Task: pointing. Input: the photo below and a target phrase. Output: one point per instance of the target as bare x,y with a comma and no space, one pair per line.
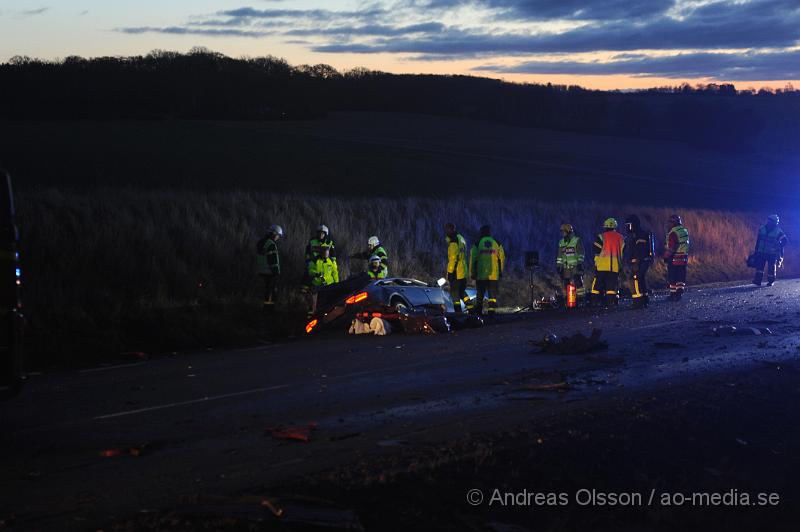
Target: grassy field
122,269
382,154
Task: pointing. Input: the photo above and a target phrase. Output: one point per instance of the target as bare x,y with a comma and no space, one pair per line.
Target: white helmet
322,228
374,258
373,242
276,229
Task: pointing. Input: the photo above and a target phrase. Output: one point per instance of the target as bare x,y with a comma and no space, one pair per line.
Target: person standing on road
676,256
322,271
769,250
374,247
608,248
569,261
268,262
639,255
457,267
487,260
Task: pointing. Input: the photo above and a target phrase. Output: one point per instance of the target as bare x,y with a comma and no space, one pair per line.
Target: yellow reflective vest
487,260
457,256
323,272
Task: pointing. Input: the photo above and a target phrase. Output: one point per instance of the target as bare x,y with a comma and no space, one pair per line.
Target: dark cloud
308,14
756,24
719,66
554,9
372,29
182,30
34,12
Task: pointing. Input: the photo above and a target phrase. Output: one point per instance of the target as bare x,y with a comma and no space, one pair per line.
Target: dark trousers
489,288
605,287
270,291
768,263
676,275
458,293
639,290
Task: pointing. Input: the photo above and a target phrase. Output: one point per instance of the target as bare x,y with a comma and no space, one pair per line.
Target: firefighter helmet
374,258
322,228
774,218
610,223
373,242
275,229
675,219
567,228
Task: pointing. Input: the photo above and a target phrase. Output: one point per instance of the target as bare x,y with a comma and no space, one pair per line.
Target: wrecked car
386,298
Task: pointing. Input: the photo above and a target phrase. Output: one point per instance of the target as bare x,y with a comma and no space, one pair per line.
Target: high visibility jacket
268,260
487,260
457,256
771,241
315,246
323,272
570,252
379,251
608,249
380,273
677,246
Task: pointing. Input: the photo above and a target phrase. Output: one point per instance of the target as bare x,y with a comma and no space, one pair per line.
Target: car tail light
311,325
356,298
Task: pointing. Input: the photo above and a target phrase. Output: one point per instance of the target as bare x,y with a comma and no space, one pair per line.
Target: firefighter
374,247
569,261
457,267
639,255
769,250
323,270
320,239
487,260
376,269
608,248
676,256
269,264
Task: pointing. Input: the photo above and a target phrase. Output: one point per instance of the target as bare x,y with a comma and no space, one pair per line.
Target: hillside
379,154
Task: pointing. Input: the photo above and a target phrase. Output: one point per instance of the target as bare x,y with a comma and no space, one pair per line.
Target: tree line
203,84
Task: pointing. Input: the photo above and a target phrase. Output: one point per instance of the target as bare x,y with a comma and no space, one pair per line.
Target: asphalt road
199,422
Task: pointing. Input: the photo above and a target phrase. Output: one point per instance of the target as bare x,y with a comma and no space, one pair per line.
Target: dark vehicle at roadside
11,318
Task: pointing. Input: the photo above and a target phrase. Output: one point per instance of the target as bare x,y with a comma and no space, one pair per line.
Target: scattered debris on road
571,345
295,433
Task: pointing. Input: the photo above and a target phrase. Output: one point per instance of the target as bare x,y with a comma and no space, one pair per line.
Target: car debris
571,345
424,321
296,433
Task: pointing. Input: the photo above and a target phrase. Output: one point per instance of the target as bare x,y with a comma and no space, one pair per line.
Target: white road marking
106,368
660,324
191,402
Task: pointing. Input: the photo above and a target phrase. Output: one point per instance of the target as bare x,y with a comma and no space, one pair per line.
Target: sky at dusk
594,43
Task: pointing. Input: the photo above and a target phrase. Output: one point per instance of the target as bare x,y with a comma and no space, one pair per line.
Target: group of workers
633,253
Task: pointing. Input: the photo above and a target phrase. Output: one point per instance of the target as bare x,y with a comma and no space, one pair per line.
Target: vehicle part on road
421,321
572,345
297,433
